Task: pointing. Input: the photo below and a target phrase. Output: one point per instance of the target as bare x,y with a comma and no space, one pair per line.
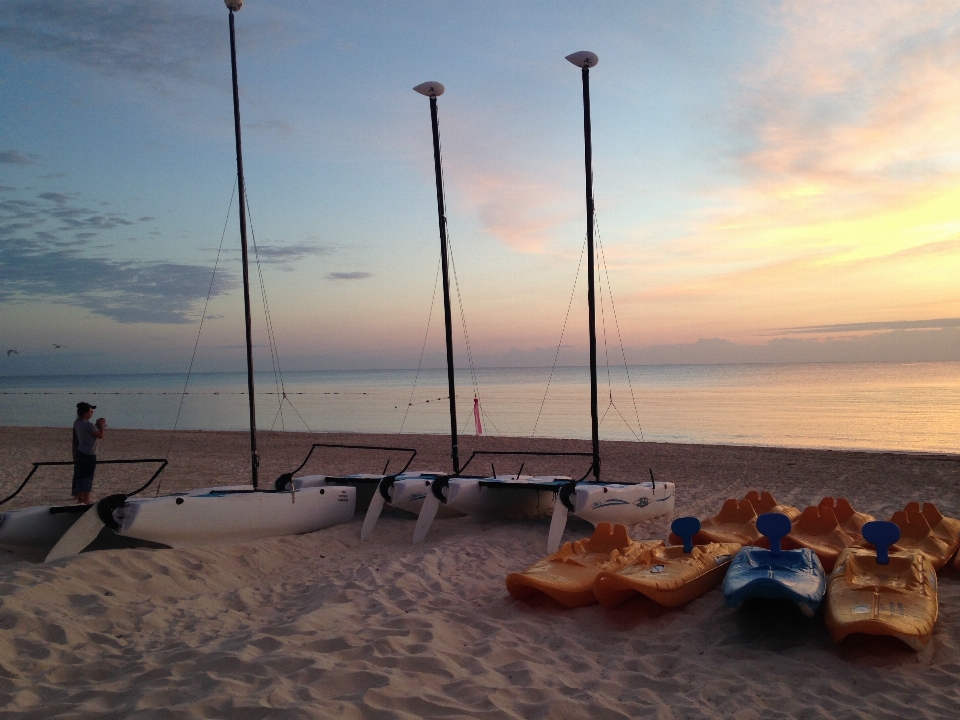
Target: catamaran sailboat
517,495
198,517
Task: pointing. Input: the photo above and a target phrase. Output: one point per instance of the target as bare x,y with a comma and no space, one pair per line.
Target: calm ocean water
873,406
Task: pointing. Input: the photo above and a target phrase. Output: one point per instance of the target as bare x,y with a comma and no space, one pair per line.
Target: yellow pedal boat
737,520
818,529
939,543
882,593
916,535
568,574
669,576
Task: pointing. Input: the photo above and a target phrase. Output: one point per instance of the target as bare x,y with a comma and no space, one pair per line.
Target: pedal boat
736,521
669,576
926,531
568,575
818,529
881,592
794,575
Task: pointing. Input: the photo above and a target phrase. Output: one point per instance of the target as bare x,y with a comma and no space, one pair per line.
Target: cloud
277,128
845,179
858,100
12,157
353,275
42,258
285,255
937,324
154,41
517,210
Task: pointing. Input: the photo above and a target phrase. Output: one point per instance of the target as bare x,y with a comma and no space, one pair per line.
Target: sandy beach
321,625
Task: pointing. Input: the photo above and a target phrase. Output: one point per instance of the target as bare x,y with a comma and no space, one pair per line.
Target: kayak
882,593
670,576
568,575
794,575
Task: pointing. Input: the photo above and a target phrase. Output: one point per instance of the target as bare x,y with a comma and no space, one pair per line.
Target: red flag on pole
476,416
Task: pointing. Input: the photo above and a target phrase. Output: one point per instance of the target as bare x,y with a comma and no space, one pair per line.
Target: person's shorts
83,467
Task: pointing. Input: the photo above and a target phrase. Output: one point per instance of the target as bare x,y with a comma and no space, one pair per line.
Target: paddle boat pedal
794,575
882,593
671,575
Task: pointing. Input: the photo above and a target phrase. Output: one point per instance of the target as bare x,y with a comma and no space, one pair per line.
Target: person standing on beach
86,438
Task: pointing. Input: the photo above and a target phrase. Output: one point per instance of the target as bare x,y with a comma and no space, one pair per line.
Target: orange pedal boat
882,593
568,574
669,576
917,533
819,529
763,502
945,528
737,520
850,520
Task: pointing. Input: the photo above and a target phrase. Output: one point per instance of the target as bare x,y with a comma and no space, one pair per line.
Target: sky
774,182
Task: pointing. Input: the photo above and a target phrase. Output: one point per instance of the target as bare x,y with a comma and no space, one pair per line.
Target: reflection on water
876,406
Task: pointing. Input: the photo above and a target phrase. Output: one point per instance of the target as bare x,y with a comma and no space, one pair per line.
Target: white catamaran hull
33,531
409,490
215,516
511,501
529,497
622,504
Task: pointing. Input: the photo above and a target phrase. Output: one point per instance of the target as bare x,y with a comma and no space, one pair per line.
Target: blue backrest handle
686,528
774,526
881,534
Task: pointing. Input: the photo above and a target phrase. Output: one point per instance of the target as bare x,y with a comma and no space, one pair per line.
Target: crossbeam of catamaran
366,484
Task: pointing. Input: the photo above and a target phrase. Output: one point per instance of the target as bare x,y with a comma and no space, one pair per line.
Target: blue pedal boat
776,574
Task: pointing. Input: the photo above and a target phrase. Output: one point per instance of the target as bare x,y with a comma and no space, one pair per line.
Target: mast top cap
233,5
584,59
430,89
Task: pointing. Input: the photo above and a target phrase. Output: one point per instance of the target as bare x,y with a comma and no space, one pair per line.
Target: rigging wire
616,320
456,283
266,314
203,315
272,338
423,347
562,332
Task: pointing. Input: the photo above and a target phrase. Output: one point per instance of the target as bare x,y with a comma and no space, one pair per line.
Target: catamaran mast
433,90
233,6
586,60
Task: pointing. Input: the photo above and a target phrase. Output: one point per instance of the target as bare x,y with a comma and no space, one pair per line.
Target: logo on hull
609,503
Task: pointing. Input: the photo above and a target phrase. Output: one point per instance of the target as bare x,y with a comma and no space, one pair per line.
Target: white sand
323,626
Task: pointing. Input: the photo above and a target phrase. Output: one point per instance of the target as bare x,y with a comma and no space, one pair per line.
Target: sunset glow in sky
763,170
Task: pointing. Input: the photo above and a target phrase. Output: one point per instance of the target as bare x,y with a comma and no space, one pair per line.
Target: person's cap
83,407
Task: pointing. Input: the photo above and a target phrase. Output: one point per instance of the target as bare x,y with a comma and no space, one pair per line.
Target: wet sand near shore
322,625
